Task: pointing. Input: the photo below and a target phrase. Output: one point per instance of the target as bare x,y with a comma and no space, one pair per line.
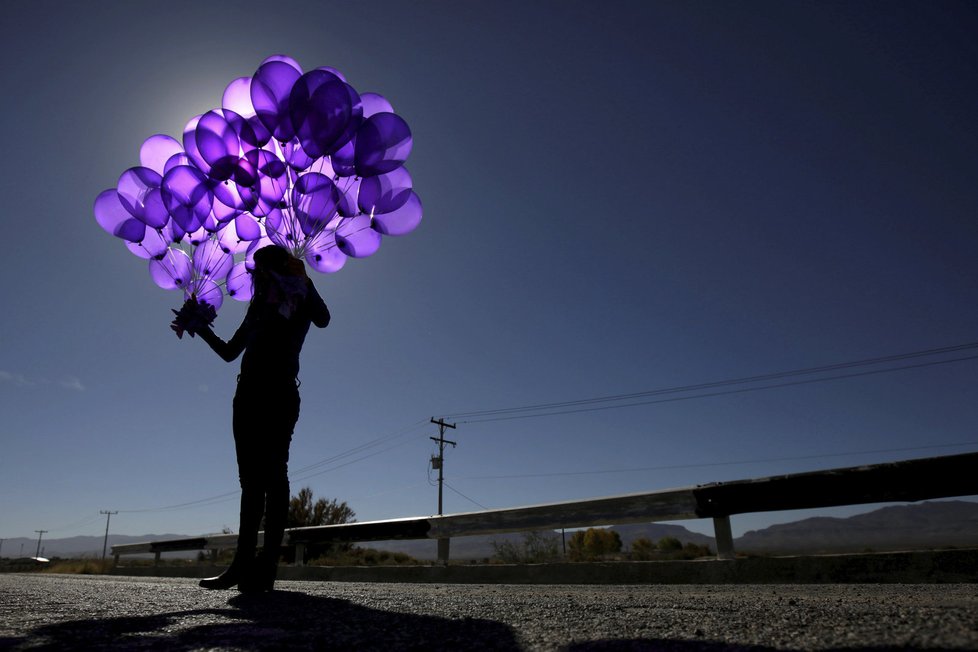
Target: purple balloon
157,150
383,144
314,201
210,261
323,254
401,221
229,241
153,245
356,239
171,271
342,159
205,290
113,217
284,58
180,158
237,97
271,87
300,160
186,196
320,109
333,71
133,187
239,286
374,103
350,189
385,192
217,143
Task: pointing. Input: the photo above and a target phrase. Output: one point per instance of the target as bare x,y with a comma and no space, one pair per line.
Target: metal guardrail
905,481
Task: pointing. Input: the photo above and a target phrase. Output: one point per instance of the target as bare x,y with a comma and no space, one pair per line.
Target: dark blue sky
619,197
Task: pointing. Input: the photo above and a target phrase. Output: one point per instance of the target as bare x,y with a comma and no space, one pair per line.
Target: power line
509,414
300,474
474,502
670,467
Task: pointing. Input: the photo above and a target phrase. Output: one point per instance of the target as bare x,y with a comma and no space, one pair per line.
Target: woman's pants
264,418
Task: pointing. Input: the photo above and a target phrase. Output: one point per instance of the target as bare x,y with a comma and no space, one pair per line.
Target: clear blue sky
619,197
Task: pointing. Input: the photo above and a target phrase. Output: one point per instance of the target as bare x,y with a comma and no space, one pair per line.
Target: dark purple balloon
383,144
320,108
218,144
342,160
271,87
350,189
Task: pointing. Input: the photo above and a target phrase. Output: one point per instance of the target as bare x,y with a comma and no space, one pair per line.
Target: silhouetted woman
266,408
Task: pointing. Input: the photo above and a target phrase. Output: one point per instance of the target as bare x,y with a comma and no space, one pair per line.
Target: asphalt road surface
74,612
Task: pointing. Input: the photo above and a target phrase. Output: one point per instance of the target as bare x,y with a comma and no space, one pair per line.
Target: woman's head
272,258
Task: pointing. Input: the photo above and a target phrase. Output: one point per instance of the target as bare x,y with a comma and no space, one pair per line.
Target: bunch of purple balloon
297,159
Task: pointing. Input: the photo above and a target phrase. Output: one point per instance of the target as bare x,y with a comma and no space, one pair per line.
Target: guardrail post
116,560
300,554
724,537
156,558
443,546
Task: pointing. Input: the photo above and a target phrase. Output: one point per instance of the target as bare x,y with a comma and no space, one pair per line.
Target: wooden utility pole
40,533
108,517
443,544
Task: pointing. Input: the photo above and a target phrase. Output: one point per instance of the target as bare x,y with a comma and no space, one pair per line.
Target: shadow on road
273,621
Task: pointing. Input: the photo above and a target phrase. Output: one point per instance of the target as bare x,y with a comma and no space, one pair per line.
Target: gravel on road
76,612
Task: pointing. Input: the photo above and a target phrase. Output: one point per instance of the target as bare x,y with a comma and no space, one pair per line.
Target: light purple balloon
323,254
284,59
356,239
228,238
237,97
205,290
152,245
173,270
113,217
385,192
157,150
374,103
210,261
239,286
180,158
133,187
401,221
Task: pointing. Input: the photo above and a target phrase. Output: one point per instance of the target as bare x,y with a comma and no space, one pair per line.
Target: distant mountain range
901,527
